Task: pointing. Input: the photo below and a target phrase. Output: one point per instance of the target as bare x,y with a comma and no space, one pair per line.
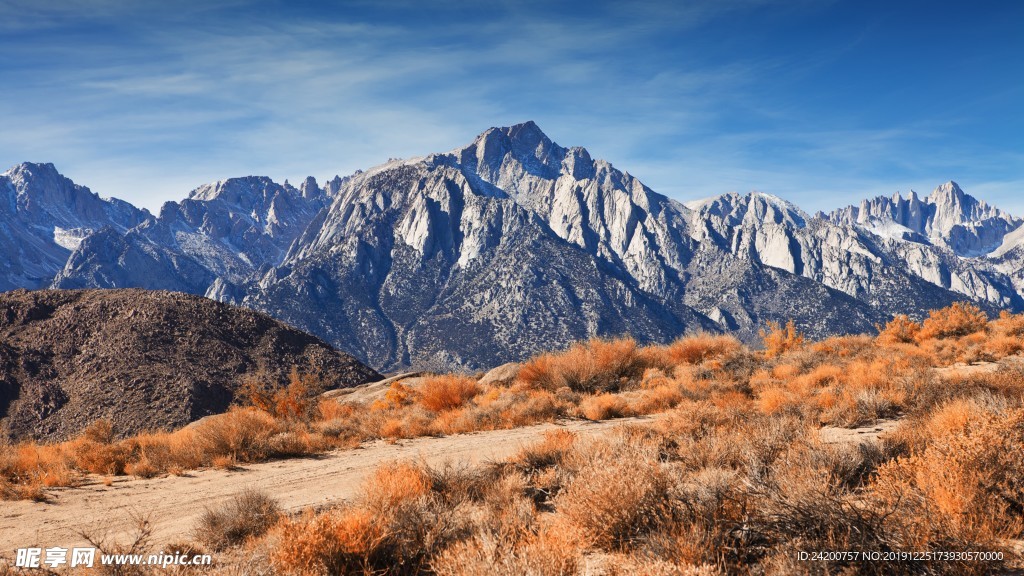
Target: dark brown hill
143,359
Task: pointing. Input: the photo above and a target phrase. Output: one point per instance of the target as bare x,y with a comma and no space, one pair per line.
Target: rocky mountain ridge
513,244
44,217
947,217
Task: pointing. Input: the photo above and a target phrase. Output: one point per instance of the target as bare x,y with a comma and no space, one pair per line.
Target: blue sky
822,103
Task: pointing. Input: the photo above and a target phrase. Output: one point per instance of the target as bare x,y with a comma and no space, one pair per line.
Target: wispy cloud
147,100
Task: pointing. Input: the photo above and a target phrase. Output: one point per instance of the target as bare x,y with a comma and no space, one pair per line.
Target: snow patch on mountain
70,239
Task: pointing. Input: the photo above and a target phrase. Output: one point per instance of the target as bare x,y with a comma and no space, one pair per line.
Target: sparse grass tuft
249,514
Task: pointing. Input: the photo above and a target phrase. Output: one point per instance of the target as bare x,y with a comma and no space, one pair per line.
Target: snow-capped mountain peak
514,243
43,216
948,217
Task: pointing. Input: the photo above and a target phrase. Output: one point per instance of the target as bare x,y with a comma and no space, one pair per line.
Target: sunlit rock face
514,244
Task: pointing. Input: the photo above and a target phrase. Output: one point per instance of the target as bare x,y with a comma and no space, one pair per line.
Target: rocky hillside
513,244
142,359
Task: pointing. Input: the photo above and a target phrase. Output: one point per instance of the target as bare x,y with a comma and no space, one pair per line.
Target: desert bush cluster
704,490
597,380
733,476
841,381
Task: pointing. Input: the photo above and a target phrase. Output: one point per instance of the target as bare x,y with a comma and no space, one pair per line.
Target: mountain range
510,245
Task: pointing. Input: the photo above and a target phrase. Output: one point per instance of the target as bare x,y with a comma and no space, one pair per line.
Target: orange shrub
826,400
785,371
653,378
844,346
551,552
397,396
868,374
334,410
900,329
297,398
98,458
547,452
394,483
1007,323
242,433
540,371
959,319
762,379
615,501
440,393
657,399
733,400
34,465
1007,336
825,375
393,428
1002,345
693,349
773,400
593,366
293,400
603,407
780,339
326,543
453,422
953,417
966,482
500,408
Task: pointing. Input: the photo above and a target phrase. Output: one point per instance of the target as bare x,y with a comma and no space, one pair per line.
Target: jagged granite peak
44,216
947,217
253,206
588,203
568,242
400,254
524,143
878,262
111,259
751,210
309,188
231,230
756,226
44,196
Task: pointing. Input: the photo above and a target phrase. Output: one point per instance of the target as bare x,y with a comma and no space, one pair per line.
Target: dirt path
862,435
174,504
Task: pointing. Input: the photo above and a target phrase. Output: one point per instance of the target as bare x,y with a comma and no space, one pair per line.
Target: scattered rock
502,375
373,390
385,383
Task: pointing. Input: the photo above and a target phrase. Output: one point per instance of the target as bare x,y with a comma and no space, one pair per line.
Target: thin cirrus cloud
145,101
